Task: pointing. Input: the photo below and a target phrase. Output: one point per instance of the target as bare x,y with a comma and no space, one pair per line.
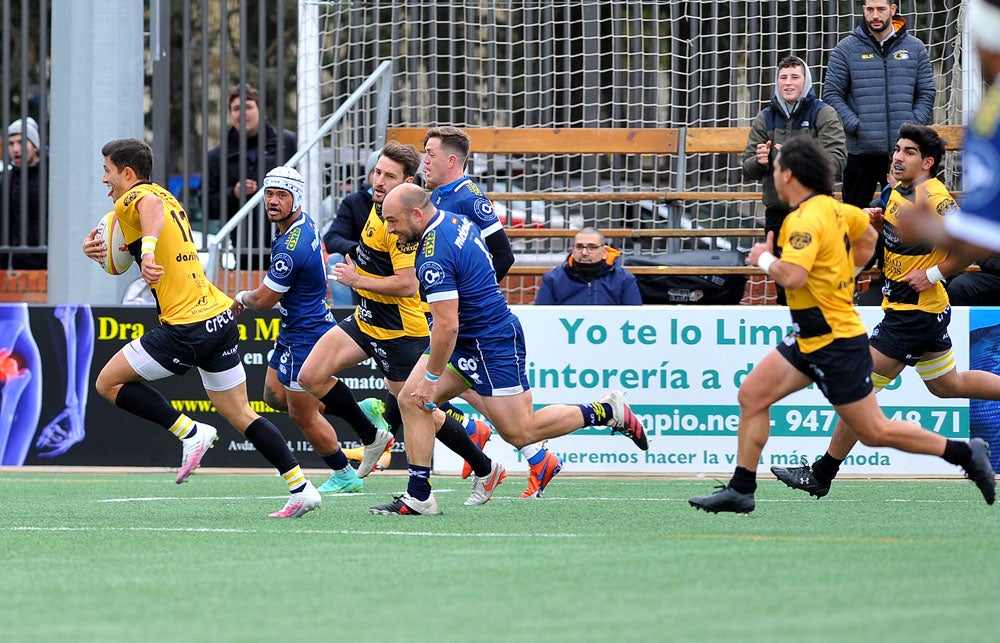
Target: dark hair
406,155
808,162
929,144
130,152
791,61
250,90
453,139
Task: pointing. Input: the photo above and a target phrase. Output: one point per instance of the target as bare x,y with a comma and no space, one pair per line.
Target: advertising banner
50,412
679,367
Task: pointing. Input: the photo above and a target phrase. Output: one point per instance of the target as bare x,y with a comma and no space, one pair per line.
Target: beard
885,25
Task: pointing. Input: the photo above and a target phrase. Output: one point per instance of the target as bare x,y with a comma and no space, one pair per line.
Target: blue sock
419,485
596,414
336,460
538,457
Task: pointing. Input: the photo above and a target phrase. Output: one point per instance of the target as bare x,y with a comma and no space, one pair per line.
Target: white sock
529,451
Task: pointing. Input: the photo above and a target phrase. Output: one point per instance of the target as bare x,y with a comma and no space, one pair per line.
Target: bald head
407,210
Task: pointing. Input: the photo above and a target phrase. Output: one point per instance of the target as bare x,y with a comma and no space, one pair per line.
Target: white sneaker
406,505
373,451
624,421
194,448
300,503
482,488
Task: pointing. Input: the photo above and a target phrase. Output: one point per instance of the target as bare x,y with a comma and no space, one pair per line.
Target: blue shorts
493,366
842,369
288,361
906,335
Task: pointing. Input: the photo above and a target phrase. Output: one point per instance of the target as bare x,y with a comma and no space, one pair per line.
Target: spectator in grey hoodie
794,110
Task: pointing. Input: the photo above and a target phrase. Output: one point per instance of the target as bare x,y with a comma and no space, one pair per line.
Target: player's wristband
934,274
241,298
764,262
430,377
148,245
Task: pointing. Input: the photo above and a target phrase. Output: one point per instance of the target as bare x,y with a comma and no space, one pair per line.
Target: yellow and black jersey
817,237
184,294
902,258
380,255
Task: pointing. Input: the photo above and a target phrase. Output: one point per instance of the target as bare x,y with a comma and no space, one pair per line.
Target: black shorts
211,345
394,357
842,370
906,335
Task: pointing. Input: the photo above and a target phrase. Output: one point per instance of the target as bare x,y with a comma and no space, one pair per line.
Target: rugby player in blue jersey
389,325
296,284
976,224
446,151
476,342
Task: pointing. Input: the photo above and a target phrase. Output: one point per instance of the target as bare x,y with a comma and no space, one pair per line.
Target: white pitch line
336,532
327,495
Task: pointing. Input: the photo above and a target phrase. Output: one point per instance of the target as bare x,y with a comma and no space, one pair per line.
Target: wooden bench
643,141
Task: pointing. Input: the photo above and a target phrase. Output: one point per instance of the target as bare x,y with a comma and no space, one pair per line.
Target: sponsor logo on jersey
463,233
130,198
867,56
281,265
186,256
429,243
484,209
293,238
800,240
431,274
407,248
946,205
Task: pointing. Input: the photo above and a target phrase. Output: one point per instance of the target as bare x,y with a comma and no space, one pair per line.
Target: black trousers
864,176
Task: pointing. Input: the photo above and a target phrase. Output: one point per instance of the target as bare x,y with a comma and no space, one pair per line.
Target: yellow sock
182,427
294,478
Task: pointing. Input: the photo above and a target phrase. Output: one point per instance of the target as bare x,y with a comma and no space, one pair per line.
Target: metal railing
219,246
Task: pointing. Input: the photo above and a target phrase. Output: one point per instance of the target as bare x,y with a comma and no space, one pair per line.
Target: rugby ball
117,259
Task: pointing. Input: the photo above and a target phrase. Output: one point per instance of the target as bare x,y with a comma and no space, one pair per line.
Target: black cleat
801,478
725,499
980,471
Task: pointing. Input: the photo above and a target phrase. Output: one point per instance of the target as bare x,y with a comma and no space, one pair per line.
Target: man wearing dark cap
22,187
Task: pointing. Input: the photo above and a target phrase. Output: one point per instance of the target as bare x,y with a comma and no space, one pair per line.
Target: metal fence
467,63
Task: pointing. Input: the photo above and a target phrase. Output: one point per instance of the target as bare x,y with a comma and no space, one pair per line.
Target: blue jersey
978,218
297,270
464,197
453,263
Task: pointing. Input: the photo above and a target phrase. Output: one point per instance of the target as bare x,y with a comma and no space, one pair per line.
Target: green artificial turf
134,557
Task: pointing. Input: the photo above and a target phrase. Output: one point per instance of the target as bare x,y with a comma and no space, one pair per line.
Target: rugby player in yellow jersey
824,244
914,330
197,328
389,325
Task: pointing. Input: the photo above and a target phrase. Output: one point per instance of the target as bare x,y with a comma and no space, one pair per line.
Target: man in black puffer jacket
878,78
221,201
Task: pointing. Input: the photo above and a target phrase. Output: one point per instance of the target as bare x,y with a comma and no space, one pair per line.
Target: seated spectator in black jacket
344,232
980,288
221,202
23,176
592,275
